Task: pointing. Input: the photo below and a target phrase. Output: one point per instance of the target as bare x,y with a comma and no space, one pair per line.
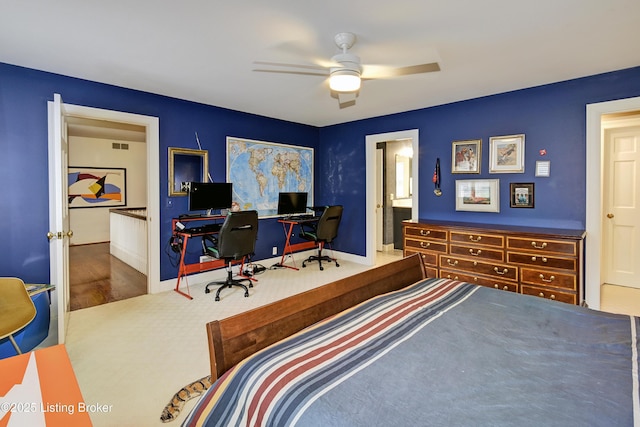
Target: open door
59,232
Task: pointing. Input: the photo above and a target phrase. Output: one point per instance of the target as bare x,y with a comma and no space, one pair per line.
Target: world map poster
260,170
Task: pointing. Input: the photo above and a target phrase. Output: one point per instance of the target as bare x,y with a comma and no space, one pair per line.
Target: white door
621,209
59,232
379,200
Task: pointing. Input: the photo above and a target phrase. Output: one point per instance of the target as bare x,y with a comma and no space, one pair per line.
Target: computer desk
186,269
289,248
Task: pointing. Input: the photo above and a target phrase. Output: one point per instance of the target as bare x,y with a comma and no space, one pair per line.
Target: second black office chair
322,232
236,240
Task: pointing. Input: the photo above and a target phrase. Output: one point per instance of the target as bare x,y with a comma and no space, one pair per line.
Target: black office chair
322,232
236,240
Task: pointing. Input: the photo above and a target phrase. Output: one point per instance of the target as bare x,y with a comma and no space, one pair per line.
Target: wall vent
119,146
115,145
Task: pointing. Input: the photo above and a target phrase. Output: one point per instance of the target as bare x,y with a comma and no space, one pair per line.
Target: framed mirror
186,165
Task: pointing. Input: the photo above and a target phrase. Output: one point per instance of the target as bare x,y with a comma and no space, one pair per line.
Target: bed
391,347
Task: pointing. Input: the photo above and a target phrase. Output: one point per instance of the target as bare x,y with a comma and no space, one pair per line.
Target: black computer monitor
292,203
209,196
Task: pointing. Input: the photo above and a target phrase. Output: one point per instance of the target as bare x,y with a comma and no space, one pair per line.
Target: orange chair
16,308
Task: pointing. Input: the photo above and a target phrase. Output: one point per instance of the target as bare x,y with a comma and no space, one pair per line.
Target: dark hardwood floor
96,277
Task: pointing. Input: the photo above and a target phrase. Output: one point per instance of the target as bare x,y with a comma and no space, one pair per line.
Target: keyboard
203,229
301,218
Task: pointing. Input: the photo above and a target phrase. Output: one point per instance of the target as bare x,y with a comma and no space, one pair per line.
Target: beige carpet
135,354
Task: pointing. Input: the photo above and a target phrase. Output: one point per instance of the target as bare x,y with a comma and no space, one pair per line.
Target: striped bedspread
439,352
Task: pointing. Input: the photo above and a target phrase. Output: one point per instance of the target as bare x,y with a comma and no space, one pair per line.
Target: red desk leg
182,268
289,248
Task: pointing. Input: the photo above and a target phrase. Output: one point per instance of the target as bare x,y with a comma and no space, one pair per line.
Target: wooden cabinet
543,262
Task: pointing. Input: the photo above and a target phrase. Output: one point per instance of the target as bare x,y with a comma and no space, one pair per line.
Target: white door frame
370,160
152,127
594,202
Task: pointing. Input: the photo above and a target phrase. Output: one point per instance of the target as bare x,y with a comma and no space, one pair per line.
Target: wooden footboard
234,338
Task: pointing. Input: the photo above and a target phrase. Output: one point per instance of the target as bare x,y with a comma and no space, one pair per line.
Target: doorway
373,173
107,253
595,246
115,125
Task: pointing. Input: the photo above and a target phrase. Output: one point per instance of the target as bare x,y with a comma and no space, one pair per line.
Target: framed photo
478,195
465,156
522,194
506,154
186,165
97,187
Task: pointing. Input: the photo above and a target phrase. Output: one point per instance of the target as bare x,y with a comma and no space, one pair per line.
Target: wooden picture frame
522,194
186,165
478,195
466,156
506,154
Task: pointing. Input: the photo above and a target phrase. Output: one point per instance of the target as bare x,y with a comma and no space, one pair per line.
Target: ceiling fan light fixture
344,80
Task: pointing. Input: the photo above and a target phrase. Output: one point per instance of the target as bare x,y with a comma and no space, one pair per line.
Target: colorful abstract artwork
97,187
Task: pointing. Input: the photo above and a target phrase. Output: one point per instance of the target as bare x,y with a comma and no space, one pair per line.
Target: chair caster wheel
206,290
250,285
337,265
304,266
246,294
321,268
217,298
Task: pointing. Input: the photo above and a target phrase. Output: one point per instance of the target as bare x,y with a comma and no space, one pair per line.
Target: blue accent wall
552,117
24,188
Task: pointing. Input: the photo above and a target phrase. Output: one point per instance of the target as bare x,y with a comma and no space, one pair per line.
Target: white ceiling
203,51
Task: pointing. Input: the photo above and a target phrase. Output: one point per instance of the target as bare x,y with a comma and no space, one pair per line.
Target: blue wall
24,214
552,117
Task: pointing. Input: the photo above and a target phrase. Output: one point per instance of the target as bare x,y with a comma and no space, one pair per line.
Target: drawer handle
542,246
475,239
504,288
425,245
425,232
550,279
449,277
503,272
534,259
552,296
454,263
475,253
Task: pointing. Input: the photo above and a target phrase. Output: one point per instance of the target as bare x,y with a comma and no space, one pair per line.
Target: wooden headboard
237,337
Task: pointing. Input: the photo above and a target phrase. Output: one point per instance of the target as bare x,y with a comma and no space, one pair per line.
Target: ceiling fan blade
284,64
382,72
303,73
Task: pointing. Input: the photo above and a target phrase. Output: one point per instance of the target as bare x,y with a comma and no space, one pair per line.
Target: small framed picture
506,154
465,156
478,195
543,168
522,194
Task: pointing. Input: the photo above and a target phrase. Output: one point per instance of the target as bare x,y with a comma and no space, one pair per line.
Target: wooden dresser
536,261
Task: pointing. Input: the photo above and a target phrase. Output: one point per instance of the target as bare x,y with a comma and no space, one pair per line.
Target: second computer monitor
292,203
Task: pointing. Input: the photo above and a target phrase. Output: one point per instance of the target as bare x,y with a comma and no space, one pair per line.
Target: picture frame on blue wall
466,156
186,165
522,194
478,195
506,154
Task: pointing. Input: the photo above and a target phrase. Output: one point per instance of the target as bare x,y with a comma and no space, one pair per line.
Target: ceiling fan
346,71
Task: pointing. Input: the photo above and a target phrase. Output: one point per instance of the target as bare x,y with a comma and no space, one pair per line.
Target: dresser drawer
541,260
548,278
478,252
428,258
545,245
426,232
549,294
479,280
494,240
424,245
480,267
